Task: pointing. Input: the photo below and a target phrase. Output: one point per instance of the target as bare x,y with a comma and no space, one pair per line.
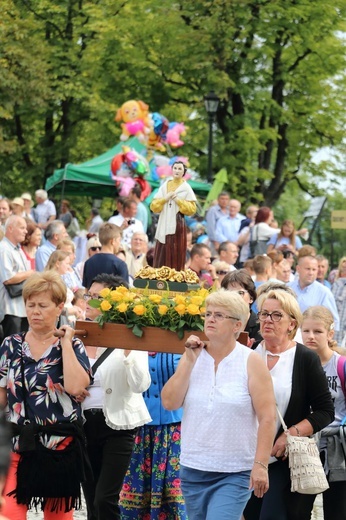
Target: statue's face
178,170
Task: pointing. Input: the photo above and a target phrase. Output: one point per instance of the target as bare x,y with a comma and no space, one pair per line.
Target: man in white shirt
96,221
14,269
127,222
45,210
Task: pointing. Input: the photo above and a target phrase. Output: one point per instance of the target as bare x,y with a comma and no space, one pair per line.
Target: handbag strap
282,420
101,359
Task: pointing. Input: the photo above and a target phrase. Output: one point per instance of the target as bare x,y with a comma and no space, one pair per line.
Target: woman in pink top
31,242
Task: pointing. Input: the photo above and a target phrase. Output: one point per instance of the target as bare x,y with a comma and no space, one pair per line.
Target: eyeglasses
89,296
222,272
274,316
95,248
218,316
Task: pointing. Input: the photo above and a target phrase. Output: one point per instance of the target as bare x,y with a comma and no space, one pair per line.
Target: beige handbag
307,474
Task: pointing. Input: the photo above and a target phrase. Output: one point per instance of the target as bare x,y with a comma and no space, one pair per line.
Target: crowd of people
148,435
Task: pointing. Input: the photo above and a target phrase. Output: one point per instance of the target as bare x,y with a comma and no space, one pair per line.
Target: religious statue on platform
174,199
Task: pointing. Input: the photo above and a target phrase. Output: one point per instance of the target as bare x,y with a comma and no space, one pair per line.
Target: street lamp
211,102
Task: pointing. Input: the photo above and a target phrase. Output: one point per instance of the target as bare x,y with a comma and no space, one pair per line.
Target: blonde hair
306,250
288,303
342,259
66,242
57,256
292,236
231,302
326,318
46,282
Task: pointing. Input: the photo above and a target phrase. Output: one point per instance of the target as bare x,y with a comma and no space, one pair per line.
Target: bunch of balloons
152,129
128,168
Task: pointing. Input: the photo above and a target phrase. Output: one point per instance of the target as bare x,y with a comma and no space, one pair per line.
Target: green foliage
278,67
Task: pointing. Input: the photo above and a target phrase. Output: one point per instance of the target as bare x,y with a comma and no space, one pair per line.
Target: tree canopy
278,67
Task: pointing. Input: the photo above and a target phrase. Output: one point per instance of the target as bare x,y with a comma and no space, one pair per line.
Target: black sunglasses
95,248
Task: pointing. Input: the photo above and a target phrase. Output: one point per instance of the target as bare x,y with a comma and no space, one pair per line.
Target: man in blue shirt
309,291
54,232
323,266
214,214
227,228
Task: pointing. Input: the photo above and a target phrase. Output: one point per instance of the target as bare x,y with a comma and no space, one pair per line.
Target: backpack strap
341,369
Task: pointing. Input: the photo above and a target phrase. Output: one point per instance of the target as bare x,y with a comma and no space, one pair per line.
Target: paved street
81,515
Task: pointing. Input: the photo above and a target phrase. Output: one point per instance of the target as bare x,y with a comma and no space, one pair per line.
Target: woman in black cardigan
302,396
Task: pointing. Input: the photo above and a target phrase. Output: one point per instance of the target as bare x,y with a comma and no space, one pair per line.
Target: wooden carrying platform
154,339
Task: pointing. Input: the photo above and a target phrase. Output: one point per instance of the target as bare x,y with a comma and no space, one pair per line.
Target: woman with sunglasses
228,418
241,282
302,396
93,247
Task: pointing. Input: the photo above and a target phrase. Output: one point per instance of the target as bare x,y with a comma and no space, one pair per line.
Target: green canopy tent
92,178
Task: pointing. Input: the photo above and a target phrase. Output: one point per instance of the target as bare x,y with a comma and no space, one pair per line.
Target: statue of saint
174,199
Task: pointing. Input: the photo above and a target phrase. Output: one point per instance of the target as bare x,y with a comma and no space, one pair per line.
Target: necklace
271,354
43,341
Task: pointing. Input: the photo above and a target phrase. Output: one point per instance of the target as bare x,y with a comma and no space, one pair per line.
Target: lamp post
211,103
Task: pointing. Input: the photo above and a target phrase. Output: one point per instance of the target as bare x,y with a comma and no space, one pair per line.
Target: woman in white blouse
114,408
228,414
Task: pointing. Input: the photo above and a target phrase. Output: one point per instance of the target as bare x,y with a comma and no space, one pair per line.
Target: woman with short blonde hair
225,454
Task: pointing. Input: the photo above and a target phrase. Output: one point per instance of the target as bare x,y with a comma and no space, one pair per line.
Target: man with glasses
135,256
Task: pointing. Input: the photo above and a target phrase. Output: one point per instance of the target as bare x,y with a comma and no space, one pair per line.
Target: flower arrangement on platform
137,310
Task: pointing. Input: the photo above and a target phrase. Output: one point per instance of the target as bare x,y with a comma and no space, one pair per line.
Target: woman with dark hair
253,240
31,242
113,408
241,282
174,199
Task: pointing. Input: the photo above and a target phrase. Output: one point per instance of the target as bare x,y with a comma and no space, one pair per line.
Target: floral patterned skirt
151,489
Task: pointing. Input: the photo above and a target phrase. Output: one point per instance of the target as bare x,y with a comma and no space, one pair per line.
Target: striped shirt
12,261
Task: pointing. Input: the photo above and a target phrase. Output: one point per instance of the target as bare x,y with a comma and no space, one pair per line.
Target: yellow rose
180,299
122,307
193,309
180,309
105,292
129,296
155,298
203,293
105,306
162,309
116,296
139,310
202,310
196,300
122,289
